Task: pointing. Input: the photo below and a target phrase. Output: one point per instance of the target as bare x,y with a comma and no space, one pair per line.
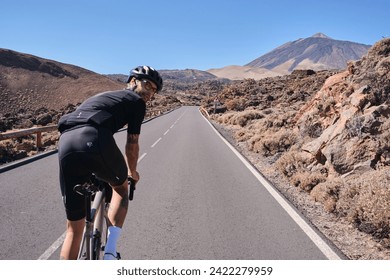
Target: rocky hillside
326,135
29,83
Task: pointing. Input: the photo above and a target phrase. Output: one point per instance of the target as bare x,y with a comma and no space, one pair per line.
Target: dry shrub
384,143
239,118
327,193
261,126
291,162
277,142
224,118
279,120
346,205
243,134
244,117
268,111
311,128
366,203
254,140
307,180
237,104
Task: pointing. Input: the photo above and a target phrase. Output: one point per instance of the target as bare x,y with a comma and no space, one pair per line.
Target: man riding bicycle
87,146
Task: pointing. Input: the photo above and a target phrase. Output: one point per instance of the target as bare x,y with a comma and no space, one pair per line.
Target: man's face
146,89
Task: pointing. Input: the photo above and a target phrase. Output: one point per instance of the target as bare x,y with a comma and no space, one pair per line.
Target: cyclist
87,146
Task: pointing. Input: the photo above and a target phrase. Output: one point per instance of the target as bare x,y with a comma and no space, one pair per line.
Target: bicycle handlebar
132,183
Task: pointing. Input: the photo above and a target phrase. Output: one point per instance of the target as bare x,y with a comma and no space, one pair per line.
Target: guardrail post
39,140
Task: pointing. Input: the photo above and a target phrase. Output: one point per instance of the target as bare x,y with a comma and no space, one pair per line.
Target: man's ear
132,84
132,81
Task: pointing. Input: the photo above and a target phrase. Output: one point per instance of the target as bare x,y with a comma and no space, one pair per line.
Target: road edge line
47,254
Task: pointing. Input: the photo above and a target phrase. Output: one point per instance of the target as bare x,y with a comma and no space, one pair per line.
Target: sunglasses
149,86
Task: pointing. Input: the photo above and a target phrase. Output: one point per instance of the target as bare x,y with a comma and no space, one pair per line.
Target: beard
146,95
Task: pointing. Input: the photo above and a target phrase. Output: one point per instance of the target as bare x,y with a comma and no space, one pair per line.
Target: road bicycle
97,195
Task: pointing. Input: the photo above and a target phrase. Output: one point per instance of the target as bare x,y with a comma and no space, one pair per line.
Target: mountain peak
320,35
318,52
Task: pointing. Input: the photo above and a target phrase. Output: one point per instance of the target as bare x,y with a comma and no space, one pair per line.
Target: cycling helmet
146,72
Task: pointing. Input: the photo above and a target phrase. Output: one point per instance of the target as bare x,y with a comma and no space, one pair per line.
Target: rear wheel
100,233
83,249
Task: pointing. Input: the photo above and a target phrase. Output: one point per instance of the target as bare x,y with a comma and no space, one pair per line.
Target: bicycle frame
96,217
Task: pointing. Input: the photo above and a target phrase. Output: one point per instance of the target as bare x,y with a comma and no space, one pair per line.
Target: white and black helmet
146,72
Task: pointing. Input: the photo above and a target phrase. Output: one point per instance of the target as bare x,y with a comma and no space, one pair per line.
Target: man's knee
76,227
121,189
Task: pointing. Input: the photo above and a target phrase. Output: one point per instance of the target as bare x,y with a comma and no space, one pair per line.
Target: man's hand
134,175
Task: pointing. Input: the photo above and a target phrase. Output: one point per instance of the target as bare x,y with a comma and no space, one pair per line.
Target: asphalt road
197,199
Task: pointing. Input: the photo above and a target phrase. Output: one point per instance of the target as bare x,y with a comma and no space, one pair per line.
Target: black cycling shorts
82,151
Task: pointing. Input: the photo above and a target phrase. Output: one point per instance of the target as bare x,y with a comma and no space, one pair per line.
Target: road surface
197,199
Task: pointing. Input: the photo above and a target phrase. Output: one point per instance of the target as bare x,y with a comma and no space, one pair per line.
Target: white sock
112,238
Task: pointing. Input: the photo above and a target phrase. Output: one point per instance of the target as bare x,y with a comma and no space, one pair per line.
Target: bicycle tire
83,248
104,236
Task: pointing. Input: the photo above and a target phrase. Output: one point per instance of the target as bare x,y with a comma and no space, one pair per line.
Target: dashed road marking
141,157
155,143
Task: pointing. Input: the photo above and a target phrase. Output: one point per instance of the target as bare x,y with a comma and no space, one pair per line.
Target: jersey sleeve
136,118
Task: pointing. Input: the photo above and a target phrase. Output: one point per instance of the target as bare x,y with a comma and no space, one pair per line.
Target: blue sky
113,36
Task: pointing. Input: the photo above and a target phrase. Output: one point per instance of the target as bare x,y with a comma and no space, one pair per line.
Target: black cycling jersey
112,110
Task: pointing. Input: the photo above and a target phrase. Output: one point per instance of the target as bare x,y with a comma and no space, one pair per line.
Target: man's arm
132,153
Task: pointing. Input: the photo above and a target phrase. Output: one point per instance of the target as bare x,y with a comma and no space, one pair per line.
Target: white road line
46,255
166,132
172,126
155,143
141,157
318,241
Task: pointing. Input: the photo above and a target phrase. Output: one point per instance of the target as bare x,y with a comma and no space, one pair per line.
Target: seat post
87,202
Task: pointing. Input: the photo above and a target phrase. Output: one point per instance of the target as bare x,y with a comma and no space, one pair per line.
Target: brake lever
132,184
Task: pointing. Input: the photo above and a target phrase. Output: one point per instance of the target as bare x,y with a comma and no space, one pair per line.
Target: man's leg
74,233
116,214
119,204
